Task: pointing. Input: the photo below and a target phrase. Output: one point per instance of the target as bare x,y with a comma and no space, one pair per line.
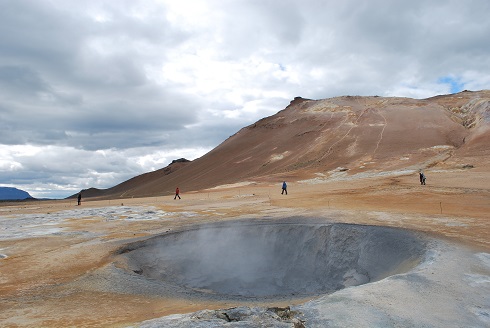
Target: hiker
284,188
177,192
79,198
422,178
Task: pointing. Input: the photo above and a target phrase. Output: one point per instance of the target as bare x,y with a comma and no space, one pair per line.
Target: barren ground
49,247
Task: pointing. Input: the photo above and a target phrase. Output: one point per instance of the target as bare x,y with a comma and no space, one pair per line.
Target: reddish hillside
314,137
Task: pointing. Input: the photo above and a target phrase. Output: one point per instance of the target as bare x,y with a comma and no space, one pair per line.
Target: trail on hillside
384,126
330,149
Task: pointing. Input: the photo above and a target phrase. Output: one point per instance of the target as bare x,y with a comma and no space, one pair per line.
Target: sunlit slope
311,137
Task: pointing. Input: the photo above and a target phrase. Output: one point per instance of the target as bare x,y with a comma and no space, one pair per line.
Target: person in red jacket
177,192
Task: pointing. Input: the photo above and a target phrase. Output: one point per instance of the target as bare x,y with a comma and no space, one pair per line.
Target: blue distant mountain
8,193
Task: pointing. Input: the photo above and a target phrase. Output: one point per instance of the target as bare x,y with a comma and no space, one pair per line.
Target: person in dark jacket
284,188
79,198
422,178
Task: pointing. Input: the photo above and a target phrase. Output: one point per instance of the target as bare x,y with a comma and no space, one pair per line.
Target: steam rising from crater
274,260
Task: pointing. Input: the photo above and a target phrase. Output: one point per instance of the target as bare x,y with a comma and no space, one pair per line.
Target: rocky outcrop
274,317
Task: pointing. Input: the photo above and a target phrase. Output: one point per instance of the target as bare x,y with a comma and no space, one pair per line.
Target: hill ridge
311,137
11,193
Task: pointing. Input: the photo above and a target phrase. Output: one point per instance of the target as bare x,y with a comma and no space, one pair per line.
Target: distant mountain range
8,193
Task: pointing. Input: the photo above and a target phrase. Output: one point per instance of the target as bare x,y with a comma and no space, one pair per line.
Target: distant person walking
284,188
422,178
79,198
177,193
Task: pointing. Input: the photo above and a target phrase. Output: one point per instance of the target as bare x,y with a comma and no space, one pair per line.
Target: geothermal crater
254,259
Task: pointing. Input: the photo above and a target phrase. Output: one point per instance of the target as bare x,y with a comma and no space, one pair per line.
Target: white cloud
63,171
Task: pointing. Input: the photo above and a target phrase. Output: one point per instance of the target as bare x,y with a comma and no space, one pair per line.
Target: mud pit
260,260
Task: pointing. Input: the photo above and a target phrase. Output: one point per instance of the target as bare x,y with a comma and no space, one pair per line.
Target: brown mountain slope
315,137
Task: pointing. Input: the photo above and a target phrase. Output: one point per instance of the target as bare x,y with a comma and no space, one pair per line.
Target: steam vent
264,260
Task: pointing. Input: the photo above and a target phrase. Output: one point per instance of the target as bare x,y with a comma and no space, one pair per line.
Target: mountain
8,193
316,137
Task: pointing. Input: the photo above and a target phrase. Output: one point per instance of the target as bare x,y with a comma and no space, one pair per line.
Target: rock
233,317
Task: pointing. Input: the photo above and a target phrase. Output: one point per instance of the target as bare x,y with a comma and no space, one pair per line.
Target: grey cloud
83,76
284,20
18,79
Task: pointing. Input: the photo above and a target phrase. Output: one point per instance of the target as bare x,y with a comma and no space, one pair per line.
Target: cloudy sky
95,92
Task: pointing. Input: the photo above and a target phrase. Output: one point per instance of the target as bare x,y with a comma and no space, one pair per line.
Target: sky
95,92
